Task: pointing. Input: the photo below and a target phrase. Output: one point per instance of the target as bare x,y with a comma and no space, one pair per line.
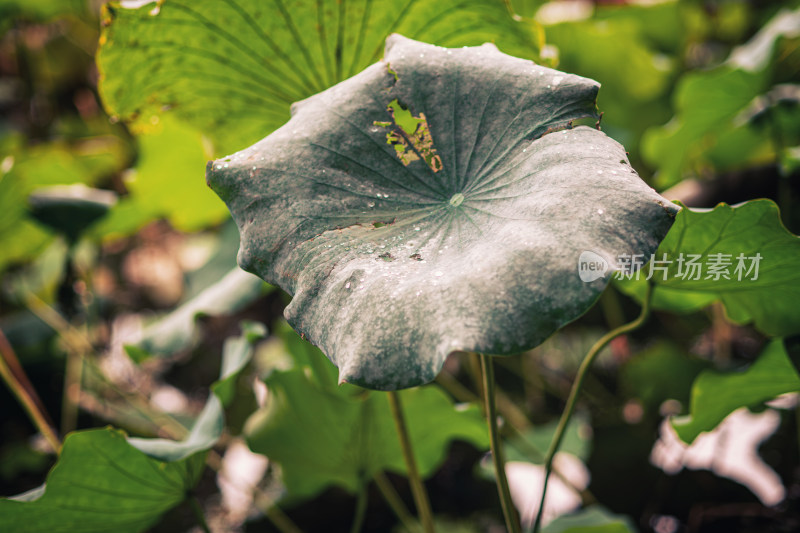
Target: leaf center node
456,200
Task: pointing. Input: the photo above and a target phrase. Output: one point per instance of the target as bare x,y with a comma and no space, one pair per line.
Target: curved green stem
417,488
594,351
509,512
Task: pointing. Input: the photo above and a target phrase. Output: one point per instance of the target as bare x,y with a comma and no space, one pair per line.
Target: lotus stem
26,395
594,351
509,512
417,487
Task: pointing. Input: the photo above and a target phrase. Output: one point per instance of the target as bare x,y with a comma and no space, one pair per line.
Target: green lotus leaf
437,201
741,255
716,394
231,69
102,483
355,433
707,127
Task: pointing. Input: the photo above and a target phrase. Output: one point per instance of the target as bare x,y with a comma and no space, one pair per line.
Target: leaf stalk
575,391
509,512
417,487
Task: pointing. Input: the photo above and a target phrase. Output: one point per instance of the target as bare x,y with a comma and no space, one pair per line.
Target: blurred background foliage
703,93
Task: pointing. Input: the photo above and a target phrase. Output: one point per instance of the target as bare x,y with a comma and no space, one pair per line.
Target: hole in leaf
412,139
380,224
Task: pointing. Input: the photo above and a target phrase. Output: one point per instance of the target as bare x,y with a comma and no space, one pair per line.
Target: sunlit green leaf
708,103
742,256
233,68
715,394
400,247
620,58
623,50
167,182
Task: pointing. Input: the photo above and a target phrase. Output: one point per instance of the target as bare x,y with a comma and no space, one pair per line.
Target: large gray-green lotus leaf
437,201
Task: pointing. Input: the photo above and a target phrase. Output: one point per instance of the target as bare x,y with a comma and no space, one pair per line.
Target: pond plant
414,201
437,202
